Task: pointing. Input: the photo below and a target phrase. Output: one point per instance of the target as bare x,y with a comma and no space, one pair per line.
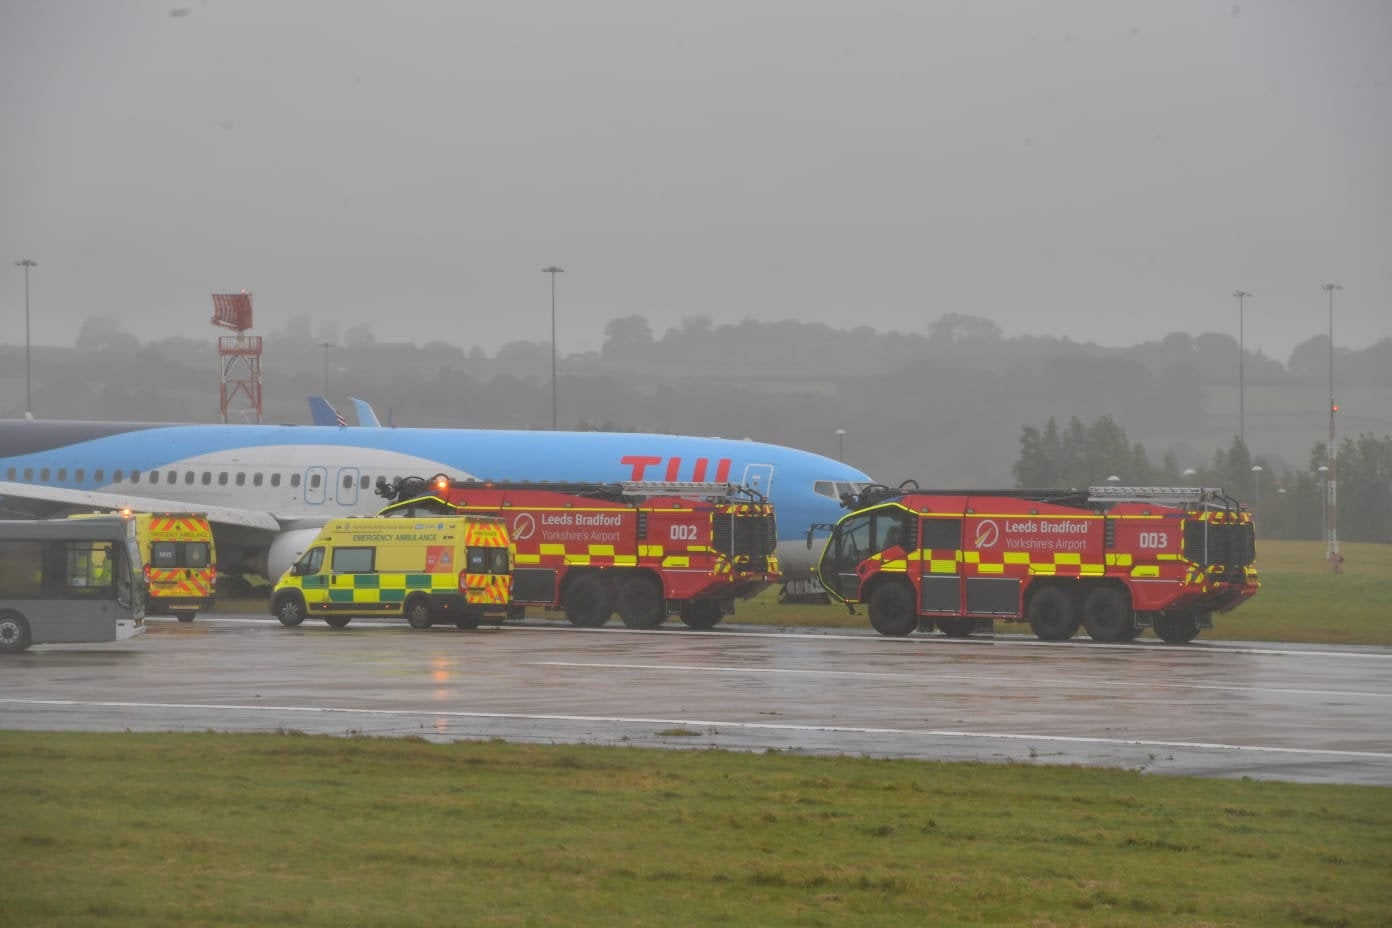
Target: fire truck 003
1113,560
646,549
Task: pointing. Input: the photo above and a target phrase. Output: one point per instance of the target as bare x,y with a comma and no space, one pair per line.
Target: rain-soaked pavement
1222,709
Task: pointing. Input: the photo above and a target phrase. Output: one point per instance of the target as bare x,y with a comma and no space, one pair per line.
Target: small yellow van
180,561
444,568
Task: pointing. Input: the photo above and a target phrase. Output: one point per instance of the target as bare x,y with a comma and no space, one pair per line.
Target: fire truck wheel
417,612
338,621
892,610
586,602
185,616
1107,615
1051,615
290,609
640,603
1177,629
701,613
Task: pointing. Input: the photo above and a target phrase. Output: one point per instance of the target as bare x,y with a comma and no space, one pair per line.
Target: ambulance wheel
892,610
290,609
338,621
640,603
14,632
1051,615
417,612
586,602
1107,615
701,613
1177,629
185,616
957,628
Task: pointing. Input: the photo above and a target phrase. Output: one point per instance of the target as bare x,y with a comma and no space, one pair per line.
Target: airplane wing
366,417
321,412
45,500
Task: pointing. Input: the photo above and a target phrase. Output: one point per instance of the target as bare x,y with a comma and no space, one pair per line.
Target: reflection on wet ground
1211,708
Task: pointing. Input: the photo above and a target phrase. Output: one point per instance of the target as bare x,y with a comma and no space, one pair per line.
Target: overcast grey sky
1104,170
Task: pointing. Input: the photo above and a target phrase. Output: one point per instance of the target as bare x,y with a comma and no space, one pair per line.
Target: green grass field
202,829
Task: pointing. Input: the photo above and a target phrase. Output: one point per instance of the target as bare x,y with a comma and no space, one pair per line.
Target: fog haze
1106,171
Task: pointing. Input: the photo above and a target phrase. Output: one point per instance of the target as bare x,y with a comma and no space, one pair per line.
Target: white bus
69,580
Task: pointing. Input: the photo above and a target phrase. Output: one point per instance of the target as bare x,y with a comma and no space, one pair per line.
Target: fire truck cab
643,549
1113,560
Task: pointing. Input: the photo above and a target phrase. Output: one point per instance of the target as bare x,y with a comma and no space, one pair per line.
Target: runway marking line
711,723
966,678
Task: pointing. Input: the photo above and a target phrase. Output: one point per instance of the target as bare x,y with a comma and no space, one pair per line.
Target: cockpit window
836,489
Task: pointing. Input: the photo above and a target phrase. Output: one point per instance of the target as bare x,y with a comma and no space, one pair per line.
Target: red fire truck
1114,560
645,549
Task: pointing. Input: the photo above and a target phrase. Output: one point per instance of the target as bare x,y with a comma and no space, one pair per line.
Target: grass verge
184,829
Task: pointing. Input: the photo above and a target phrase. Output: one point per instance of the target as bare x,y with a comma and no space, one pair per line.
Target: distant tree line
1288,502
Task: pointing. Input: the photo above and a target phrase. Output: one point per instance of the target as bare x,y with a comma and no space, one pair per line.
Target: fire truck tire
892,610
640,603
1052,615
586,602
701,613
1180,628
417,612
290,609
957,628
185,616
14,632
1107,615
338,621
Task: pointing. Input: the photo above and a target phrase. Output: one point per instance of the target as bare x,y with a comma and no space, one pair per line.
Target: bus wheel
640,603
338,621
185,616
701,613
892,610
1107,615
1051,615
957,628
14,632
586,602
1180,628
417,612
290,610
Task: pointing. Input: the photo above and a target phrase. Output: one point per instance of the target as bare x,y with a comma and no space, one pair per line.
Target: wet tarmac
1220,709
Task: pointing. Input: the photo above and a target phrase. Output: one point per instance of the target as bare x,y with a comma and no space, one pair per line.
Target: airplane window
347,481
256,479
135,476
63,474
154,476
207,477
364,482
116,476
241,478
275,480
98,475
28,473
188,476
172,477
294,480
43,474
824,488
10,474
79,474
222,479
315,480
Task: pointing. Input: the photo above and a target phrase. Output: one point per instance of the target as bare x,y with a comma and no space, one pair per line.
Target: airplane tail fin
322,412
366,416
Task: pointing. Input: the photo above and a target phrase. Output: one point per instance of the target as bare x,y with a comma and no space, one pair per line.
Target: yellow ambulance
180,561
443,568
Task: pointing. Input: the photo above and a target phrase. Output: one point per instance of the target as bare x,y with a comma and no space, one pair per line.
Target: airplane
268,489
321,412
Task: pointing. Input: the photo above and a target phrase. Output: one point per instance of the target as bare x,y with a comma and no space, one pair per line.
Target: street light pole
27,263
840,444
1241,295
553,271
1334,558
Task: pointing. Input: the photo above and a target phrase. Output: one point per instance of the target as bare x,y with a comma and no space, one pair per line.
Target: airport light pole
1256,492
1333,553
1324,500
1242,296
27,263
841,444
553,271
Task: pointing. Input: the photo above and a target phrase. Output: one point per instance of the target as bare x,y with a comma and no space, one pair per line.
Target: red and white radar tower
239,357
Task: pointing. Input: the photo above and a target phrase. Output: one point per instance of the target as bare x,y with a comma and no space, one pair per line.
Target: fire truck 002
1114,560
647,549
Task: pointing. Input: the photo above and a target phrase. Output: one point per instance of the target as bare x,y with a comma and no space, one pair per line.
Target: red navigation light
1334,408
